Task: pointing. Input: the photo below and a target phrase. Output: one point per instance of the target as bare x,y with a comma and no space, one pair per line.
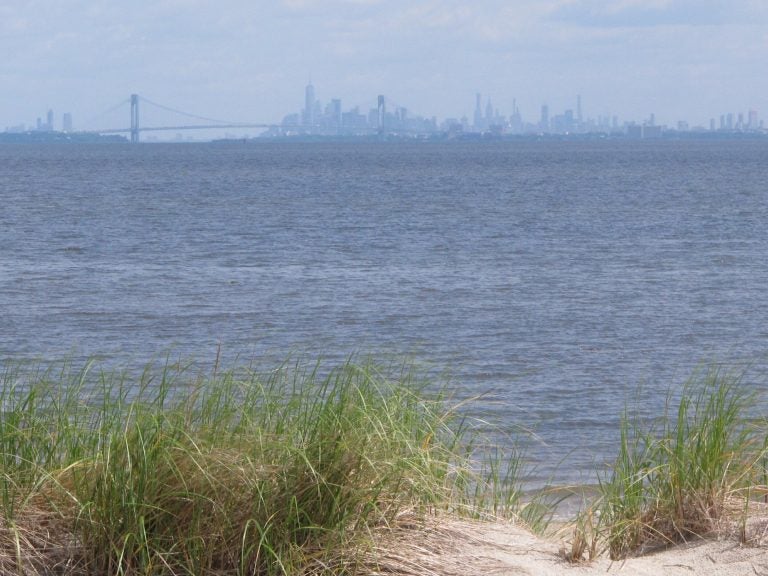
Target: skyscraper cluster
739,122
318,118
329,119
386,117
44,125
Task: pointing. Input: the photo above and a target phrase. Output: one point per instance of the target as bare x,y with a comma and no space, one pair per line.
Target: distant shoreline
60,137
92,138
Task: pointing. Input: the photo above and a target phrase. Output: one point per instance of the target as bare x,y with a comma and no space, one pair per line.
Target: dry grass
241,474
418,545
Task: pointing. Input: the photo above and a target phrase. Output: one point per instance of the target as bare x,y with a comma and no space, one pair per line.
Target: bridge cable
187,114
117,106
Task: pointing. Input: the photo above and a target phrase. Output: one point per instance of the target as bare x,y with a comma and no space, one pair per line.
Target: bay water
557,280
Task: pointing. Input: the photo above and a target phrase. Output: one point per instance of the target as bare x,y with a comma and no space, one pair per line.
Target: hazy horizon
250,61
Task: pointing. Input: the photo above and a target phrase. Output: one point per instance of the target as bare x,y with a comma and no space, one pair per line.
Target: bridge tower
134,118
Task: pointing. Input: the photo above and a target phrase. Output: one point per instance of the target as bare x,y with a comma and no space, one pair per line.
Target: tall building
579,117
489,113
478,113
753,123
381,112
66,122
309,105
336,112
544,121
568,121
49,123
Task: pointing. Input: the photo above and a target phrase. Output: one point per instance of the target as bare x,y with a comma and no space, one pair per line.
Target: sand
460,548
513,551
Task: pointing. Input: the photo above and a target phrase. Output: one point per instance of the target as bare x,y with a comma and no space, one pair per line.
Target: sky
249,60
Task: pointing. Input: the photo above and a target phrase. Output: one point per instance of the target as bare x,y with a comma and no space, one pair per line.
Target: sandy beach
457,548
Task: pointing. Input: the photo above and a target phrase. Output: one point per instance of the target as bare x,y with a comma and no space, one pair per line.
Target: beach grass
681,476
169,472
305,469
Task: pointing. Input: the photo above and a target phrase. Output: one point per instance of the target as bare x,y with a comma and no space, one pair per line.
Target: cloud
431,55
647,13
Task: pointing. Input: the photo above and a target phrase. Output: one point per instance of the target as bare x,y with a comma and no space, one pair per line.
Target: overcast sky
249,60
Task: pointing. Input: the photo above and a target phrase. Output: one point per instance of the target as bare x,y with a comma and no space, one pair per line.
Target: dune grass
674,479
304,470
168,473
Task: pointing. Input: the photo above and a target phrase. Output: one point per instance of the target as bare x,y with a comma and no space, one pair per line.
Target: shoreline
355,468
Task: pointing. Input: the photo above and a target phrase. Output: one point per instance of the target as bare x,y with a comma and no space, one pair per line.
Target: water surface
555,278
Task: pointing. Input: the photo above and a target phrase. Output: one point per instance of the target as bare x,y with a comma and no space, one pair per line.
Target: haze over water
555,277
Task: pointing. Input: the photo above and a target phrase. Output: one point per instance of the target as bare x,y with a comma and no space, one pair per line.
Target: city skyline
319,117
678,59
488,118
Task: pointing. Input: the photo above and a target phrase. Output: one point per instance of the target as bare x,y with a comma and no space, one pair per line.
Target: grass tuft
170,473
673,481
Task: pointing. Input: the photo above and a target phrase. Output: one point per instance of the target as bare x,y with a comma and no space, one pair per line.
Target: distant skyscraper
568,121
309,105
544,121
753,123
478,112
579,117
336,111
49,123
66,122
381,112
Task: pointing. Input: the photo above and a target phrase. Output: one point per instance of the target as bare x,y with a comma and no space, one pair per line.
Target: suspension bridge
381,122
201,122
